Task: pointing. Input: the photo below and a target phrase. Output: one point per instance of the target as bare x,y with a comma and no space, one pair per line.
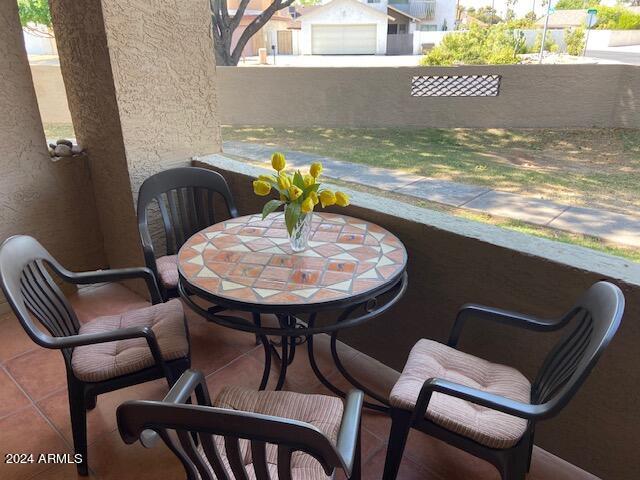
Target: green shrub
617,18
549,44
576,4
574,38
494,45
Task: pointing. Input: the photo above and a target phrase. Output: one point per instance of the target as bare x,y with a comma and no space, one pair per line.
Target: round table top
247,260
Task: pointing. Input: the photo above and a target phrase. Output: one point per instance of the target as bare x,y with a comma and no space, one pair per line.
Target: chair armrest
146,332
190,382
514,319
476,396
79,340
349,433
114,275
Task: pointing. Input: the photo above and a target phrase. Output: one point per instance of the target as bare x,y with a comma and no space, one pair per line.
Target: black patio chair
152,343
491,410
249,434
185,198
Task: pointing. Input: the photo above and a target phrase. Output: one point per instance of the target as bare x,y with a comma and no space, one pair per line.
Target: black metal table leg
267,353
383,407
284,363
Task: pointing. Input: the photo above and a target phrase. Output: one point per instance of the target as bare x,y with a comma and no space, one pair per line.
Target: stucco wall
341,12
531,96
453,261
602,39
52,201
628,109
140,79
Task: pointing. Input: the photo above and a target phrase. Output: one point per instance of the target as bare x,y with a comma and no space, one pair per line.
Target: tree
224,25
35,12
485,15
576,4
574,38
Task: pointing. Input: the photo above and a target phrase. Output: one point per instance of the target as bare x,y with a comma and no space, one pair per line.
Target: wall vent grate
456,86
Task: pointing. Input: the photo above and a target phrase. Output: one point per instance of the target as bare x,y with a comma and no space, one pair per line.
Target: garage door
343,39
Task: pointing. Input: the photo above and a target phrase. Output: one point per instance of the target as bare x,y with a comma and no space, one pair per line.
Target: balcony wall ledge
571,255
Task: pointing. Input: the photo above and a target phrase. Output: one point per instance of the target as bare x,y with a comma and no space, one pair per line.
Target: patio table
351,272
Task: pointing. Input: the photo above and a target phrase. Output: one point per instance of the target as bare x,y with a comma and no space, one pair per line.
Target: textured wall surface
84,59
52,201
531,96
164,74
140,78
598,429
628,110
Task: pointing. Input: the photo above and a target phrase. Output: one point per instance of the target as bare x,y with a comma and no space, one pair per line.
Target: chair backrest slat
189,467
185,197
234,455
58,307
32,292
176,221
192,208
196,458
185,217
213,455
590,324
173,416
259,459
284,462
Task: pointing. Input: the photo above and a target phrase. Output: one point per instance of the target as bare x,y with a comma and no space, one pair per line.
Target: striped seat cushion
168,270
102,361
322,411
429,359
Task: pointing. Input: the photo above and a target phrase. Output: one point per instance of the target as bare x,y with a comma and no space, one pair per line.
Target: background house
344,27
561,19
367,27
275,32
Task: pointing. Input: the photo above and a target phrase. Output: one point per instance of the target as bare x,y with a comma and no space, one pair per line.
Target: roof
392,11
304,9
564,19
336,3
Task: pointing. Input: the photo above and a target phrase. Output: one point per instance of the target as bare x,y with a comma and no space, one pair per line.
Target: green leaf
312,188
298,180
270,207
291,215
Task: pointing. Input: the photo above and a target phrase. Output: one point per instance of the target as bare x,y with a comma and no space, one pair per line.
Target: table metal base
286,356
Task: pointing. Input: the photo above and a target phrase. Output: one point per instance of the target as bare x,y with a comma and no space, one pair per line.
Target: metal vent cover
456,86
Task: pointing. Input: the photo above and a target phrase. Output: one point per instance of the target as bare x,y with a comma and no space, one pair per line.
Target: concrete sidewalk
611,227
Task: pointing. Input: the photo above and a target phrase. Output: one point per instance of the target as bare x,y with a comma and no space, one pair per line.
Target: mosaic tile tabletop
249,260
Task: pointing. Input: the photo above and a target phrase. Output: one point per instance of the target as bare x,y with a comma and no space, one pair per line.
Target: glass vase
299,236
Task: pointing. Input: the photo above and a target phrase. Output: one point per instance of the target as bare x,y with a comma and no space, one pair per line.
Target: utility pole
493,11
544,32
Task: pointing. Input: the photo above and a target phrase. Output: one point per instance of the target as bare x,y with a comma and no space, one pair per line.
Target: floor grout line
247,353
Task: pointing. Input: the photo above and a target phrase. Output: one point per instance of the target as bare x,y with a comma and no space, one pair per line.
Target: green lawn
56,131
599,168
594,167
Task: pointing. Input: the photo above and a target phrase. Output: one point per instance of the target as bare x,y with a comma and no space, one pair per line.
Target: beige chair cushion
322,411
94,363
429,359
168,270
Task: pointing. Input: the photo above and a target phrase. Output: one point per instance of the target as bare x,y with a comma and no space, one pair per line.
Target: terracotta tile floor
34,412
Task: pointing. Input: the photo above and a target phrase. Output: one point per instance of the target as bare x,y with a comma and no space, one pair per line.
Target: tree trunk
224,26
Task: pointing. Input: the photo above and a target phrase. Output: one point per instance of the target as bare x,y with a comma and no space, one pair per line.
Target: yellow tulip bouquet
299,193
